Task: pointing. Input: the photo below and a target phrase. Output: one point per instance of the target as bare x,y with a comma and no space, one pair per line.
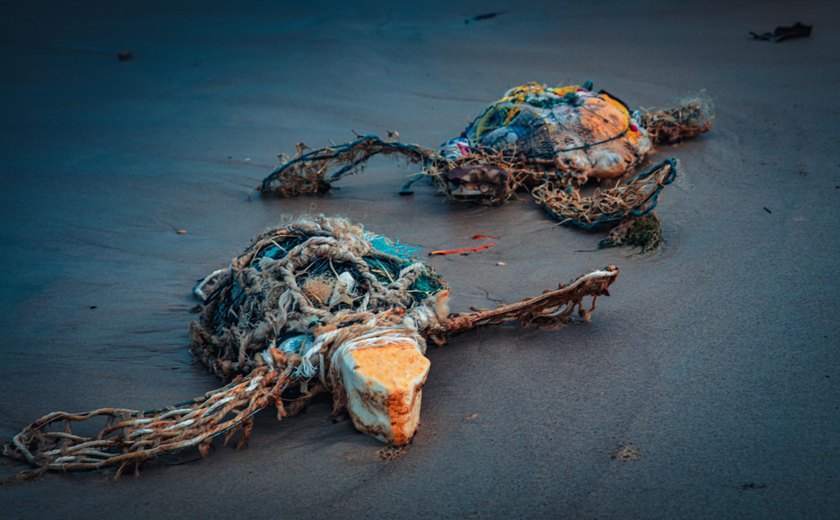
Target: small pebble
182,231
501,263
125,56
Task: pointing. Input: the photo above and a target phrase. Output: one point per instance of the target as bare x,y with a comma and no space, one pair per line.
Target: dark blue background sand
717,356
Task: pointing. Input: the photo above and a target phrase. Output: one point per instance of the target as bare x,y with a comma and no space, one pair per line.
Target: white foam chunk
383,377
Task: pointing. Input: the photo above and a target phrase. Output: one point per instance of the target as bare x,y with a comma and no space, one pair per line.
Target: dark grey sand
714,365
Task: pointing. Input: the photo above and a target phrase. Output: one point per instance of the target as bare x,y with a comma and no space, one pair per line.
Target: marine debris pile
549,142
317,305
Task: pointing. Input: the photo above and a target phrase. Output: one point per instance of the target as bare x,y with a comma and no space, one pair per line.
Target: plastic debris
382,378
780,34
455,149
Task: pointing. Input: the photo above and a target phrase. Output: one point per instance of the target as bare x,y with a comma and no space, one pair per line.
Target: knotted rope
636,197
692,117
130,437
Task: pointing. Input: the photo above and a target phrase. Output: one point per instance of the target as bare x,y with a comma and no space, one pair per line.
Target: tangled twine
692,117
296,278
267,374
547,141
635,198
130,437
557,193
497,174
313,172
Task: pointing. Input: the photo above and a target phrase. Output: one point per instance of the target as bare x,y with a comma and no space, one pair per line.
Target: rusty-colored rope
130,437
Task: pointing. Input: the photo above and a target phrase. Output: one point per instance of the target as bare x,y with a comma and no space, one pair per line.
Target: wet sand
714,365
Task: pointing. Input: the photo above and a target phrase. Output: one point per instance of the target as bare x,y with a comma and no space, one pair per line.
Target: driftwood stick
552,308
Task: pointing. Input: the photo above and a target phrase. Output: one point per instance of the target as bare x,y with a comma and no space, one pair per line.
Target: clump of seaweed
644,232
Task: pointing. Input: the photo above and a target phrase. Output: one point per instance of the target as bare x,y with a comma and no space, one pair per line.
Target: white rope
198,290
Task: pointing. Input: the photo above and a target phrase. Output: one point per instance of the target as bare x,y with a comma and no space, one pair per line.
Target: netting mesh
547,141
631,199
583,133
298,277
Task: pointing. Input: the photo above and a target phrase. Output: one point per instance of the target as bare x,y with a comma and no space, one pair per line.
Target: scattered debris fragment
485,16
472,416
479,237
767,209
182,231
626,452
391,453
125,56
752,485
501,264
780,34
462,250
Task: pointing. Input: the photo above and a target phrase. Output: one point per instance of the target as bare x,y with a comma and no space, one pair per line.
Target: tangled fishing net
318,305
692,117
547,141
299,277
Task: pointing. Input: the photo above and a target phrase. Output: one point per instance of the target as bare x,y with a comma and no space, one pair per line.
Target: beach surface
714,367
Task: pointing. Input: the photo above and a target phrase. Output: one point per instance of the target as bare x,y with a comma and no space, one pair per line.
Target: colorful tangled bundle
549,142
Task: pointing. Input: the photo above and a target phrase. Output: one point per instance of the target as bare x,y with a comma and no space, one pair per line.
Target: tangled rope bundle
547,141
692,117
634,198
298,277
274,323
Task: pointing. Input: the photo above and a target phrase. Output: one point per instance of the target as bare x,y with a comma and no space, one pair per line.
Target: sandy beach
716,357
